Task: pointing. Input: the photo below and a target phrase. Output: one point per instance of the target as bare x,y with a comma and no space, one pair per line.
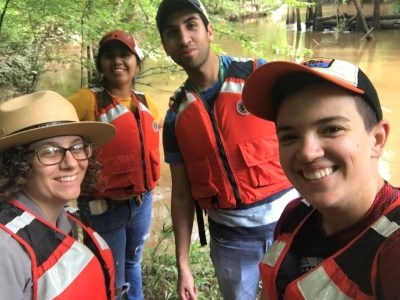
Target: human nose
116,59
184,36
69,159
309,149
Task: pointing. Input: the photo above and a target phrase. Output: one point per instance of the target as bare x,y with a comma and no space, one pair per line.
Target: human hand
186,287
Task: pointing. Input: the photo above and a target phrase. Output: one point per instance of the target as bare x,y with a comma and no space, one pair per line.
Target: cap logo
319,63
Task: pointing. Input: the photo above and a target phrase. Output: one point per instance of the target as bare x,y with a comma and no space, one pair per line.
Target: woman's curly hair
16,169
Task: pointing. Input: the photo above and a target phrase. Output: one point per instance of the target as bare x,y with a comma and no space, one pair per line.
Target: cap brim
259,86
98,133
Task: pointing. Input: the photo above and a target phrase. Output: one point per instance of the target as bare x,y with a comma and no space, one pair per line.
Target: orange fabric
250,145
131,160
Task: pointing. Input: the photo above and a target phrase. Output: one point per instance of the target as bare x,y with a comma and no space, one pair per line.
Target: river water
378,58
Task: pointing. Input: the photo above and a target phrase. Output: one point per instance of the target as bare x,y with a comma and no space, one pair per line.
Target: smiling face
118,64
186,39
56,184
325,150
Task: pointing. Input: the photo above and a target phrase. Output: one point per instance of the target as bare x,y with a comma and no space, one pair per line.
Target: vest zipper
142,148
222,154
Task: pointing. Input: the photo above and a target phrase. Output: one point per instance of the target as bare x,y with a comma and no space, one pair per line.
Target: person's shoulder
11,250
83,93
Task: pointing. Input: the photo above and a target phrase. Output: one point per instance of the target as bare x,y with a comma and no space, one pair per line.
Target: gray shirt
15,263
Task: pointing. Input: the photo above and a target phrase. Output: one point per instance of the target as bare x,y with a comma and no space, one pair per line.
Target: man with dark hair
220,156
340,240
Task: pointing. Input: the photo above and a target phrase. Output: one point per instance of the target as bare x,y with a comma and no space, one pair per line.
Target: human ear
380,134
210,32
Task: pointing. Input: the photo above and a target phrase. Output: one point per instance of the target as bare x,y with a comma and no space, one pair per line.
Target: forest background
35,35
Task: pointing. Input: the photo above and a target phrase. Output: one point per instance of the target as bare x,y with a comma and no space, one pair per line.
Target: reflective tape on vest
232,87
384,226
318,285
273,253
20,222
64,272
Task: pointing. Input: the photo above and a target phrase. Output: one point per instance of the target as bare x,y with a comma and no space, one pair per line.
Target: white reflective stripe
20,222
101,241
190,98
143,107
273,253
232,87
113,113
384,226
64,272
318,285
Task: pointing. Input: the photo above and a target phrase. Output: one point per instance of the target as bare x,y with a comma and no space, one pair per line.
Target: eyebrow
317,123
191,17
53,143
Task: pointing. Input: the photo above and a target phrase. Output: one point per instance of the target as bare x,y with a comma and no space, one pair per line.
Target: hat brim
258,89
98,133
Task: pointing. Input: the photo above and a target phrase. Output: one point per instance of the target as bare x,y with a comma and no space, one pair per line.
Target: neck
121,92
343,216
206,75
51,210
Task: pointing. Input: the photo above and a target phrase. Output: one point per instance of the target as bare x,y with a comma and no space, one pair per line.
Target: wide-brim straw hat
46,114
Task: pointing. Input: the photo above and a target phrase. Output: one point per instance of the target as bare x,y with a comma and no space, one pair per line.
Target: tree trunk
360,16
377,14
298,17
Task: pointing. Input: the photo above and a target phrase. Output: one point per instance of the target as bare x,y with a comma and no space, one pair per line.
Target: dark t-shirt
311,245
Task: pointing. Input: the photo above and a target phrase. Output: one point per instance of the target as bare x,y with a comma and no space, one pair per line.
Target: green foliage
160,272
396,7
42,31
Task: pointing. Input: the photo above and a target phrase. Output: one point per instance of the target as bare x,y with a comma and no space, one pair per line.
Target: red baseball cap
125,38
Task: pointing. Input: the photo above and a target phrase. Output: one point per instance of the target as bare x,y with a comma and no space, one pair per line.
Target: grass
160,272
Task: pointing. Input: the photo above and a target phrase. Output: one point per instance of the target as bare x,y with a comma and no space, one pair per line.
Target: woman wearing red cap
121,207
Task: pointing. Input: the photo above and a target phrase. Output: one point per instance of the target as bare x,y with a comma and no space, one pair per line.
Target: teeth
318,174
67,178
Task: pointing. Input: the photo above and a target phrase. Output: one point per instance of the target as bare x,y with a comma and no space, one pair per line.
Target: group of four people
269,133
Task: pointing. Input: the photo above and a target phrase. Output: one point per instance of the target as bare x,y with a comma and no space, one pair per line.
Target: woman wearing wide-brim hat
45,158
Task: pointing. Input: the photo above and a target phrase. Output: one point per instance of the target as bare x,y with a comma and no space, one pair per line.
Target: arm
182,210
15,269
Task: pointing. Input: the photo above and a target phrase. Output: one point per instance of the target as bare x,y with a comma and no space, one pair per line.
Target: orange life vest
338,276
231,156
131,160
62,267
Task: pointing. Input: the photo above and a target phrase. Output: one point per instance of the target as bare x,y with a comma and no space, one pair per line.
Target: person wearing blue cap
222,159
341,238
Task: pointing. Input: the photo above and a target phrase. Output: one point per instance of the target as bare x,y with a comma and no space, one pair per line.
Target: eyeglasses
52,155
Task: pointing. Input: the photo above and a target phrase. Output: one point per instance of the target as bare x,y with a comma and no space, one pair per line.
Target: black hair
161,24
99,80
